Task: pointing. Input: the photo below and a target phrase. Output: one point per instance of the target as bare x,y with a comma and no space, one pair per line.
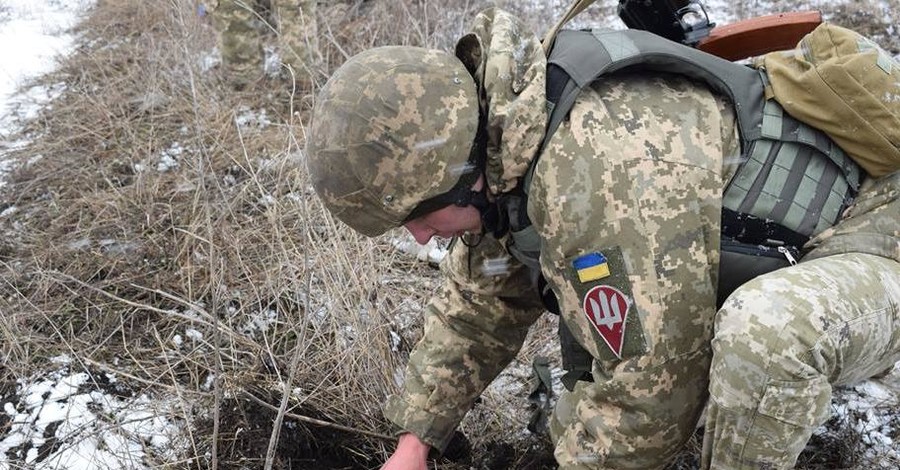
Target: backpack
845,85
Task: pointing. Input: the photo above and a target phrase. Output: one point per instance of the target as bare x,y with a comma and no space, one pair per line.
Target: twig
319,422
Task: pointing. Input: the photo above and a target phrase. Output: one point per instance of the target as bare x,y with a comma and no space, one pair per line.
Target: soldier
241,25
626,200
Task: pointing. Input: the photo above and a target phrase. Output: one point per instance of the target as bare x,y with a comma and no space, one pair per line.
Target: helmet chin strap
490,212
491,220
462,194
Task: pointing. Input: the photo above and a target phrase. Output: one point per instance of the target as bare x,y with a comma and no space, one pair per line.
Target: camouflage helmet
394,127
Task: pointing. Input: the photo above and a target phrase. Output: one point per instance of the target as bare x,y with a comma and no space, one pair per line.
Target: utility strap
574,9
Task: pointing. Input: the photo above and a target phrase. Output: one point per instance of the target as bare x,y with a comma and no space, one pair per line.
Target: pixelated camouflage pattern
478,322
392,127
783,341
659,144
870,225
297,33
242,25
509,65
773,372
473,329
240,44
638,168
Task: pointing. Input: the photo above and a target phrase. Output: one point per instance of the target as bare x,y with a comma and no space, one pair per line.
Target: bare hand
411,454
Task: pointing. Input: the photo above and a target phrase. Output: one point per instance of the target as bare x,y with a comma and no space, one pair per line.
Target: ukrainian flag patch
591,267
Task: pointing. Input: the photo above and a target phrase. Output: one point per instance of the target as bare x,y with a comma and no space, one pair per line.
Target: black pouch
741,262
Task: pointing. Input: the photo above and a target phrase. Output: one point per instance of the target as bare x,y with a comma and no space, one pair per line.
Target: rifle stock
757,36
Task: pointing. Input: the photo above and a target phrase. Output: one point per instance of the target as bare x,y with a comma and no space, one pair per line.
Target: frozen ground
65,417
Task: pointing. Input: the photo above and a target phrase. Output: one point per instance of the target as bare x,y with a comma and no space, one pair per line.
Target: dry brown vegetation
113,252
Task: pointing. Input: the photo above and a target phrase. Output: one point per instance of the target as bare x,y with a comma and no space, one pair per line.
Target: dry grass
111,255
114,253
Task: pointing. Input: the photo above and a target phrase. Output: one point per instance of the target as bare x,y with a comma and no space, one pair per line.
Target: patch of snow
433,252
193,334
872,410
248,118
209,382
66,420
41,26
168,159
396,341
261,321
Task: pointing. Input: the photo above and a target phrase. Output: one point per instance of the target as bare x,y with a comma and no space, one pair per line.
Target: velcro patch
607,309
591,267
600,279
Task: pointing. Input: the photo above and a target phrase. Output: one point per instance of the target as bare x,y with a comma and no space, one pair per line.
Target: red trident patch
607,309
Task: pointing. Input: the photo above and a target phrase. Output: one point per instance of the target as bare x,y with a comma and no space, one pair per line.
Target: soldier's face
445,223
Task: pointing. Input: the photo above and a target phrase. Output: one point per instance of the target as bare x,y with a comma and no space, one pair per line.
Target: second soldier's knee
756,346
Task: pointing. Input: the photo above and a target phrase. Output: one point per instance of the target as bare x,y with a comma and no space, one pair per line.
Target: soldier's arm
473,329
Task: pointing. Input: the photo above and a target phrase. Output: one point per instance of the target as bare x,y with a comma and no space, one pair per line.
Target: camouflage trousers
243,24
783,341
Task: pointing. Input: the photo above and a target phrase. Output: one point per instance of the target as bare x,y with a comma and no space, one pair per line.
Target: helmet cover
392,127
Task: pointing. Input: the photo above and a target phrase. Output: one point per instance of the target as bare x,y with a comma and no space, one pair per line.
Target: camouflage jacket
477,324
870,225
605,163
479,320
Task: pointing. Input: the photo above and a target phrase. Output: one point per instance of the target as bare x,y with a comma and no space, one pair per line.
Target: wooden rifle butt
757,36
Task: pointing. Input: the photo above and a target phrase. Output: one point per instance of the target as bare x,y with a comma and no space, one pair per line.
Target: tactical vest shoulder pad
581,57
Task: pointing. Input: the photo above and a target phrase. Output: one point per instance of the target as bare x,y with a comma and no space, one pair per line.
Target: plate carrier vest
792,181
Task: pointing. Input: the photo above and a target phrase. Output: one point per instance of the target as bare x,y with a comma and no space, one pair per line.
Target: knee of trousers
764,361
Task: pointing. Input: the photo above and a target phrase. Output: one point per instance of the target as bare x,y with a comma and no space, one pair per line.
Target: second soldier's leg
239,40
782,342
297,35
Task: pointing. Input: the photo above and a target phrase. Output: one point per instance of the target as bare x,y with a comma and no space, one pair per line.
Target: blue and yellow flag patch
591,267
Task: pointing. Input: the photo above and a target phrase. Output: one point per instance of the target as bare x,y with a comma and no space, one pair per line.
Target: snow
64,418
870,408
70,419
42,26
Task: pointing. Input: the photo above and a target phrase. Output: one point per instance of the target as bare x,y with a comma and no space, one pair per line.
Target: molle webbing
785,178
792,182
792,177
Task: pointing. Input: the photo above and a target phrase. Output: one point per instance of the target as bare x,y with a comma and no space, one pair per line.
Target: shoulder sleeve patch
600,280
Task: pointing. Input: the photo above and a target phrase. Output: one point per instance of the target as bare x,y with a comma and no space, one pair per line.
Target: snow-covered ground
32,34
72,419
